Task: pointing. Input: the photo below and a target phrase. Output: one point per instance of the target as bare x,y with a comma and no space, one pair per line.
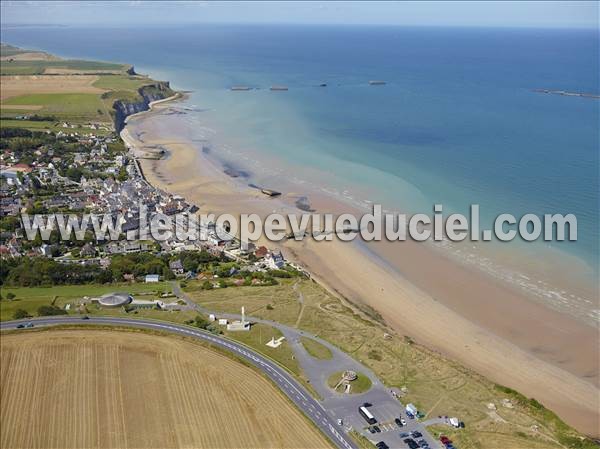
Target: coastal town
358,356
73,172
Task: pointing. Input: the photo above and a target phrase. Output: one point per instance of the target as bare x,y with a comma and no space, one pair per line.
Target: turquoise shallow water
456,123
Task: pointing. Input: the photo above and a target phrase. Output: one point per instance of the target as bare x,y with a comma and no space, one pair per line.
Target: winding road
286,383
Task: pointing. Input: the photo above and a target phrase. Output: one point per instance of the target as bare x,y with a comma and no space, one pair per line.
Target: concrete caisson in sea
270,192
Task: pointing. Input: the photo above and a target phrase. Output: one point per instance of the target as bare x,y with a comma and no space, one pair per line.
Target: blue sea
456,123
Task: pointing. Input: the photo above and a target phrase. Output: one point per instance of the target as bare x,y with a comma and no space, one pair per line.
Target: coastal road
286,383
386,406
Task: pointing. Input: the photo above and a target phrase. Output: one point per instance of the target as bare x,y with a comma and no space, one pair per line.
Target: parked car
20,326
412,444
30,324
416,434
404,435
445,440
340,422
398,422
382,445
403,421
423,443
377,429
371,430
85,317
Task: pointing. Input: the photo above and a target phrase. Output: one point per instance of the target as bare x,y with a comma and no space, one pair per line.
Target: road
286,383
386,406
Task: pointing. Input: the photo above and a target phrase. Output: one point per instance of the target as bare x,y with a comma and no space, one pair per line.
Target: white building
239,325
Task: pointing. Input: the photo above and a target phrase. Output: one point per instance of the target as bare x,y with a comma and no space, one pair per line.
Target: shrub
10,296
374,355
50,311
20,314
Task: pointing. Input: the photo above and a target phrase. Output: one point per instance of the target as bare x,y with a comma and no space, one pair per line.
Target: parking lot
385,409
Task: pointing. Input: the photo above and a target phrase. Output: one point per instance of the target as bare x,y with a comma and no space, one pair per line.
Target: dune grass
436,385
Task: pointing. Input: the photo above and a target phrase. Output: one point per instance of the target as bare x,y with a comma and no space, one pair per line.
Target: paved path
290,387
386,407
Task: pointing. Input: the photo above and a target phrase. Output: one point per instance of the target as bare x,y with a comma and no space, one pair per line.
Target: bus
367,415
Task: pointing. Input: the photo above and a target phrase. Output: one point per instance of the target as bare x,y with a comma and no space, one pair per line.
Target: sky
559,14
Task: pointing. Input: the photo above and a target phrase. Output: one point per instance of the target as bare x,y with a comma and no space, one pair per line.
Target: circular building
114,300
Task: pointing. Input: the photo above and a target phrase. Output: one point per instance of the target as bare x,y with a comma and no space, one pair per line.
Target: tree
20,314
50,310
122,176
10,296
74,173
167,274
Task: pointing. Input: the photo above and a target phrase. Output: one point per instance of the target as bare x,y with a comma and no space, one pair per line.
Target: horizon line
163,24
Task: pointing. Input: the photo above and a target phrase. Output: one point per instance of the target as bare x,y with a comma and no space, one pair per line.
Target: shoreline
542,358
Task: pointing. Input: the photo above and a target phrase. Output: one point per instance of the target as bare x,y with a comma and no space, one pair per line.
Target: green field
38,67
47,126
257,338
316,349
30,298
74,107
278,303
121,82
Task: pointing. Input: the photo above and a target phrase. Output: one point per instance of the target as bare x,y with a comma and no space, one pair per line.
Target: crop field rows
115,389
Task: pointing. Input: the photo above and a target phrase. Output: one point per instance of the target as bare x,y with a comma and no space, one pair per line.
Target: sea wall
158,90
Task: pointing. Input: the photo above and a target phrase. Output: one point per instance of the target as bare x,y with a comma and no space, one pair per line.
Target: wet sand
487,325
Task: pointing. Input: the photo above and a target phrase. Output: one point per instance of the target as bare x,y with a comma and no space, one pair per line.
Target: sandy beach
466,315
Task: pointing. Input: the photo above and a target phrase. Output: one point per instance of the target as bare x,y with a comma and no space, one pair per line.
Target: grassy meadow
316,349
361,384
437,386
74,91
31,298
